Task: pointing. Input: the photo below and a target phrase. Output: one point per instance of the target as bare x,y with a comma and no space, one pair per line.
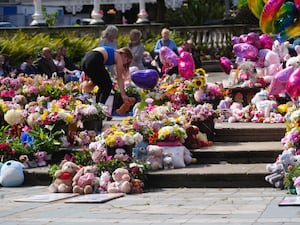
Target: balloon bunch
249,46
277,17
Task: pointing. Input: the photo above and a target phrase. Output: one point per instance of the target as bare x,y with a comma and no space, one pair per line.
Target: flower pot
95,125
206,126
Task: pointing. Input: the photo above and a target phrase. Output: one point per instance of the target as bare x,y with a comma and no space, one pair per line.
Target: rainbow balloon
277,17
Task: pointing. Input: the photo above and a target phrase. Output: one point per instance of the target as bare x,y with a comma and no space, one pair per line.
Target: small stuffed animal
84,181
41,158
121,181
64,178
86,87
137,186
155,157
24,160
11,174
139,152
167,161
192,142
104,181
126,106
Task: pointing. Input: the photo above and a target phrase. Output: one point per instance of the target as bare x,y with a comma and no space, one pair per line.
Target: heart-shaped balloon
146,79
279,81
186,65
293,84
226,64
245,51
167,57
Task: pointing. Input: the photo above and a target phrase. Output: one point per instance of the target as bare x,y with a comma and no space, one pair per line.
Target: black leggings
93,67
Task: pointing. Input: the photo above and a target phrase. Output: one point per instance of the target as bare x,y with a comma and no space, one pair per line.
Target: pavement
176,206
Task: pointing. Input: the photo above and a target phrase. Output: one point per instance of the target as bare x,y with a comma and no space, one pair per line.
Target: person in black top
27,66
45,63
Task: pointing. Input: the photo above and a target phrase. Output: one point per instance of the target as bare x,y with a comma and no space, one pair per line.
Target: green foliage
22,43
52,170
46,139
50,17
290,175
83,157
195,12
4,134
19,147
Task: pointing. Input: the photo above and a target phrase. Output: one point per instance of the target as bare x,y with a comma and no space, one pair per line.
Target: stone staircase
237,158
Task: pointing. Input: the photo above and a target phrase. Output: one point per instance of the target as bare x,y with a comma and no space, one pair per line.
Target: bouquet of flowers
6,152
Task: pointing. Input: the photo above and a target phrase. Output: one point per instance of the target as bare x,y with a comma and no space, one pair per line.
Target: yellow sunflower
200,71
199,82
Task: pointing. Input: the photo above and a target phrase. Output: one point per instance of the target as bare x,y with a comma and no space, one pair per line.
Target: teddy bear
41,158
121,181
192,142
155,156
86,87
277,169
139,151
85,180
126,106
64,178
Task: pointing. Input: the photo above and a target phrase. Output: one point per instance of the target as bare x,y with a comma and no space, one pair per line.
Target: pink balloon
293,84
235,40
167,57
186,65
245,51
279,81
180,49
243,38
266,41
226,64
252,37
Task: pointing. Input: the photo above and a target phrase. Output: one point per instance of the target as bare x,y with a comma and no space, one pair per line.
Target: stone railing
212,35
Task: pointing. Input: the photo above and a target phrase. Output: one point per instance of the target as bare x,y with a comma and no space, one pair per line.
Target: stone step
193,176
247,132
238,152
211,176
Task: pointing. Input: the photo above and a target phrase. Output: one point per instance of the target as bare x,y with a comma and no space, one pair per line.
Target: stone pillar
38,17
142,16
96,14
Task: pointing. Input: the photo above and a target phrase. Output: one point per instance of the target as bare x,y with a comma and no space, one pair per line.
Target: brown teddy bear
125,106
195,139
63,177
86,87
85,180
121,183
192,142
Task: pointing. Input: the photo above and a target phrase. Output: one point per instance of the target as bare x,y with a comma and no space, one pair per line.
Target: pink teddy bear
41,158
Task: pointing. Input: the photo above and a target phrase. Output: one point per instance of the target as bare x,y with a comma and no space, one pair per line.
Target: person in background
109,38
137,48
168,42
2,72
189,47
165,41
72,70
8,69
77,23
27,66
94,67
45,63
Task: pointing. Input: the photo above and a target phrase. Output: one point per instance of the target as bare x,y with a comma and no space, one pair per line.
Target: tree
50,17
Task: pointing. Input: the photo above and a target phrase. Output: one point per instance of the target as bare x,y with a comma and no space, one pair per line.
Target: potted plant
45,139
